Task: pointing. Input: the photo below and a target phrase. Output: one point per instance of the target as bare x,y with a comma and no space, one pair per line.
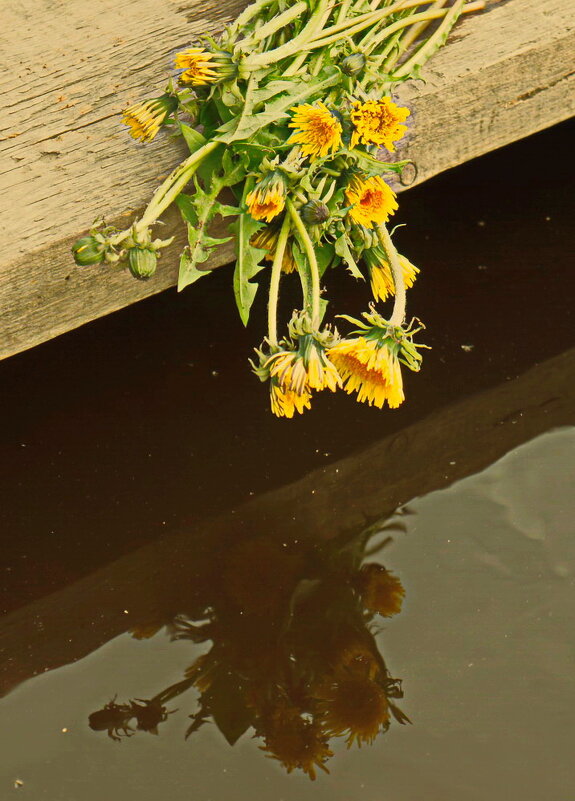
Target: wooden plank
65,160
175,572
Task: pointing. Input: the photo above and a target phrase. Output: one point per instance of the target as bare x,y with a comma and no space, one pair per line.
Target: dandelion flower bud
202,67
267,199
315,212
145,119
142,262
354,64
88,250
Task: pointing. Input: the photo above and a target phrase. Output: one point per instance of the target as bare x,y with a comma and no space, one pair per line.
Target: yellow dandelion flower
145,119
380,274
378,122
380,590
317,130
266,239
355,706
286,402
372,200
199,65
370,368
298,743
267,199
304,369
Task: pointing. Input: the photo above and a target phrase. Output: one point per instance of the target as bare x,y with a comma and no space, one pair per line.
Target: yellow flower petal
378,122
372,200
317,130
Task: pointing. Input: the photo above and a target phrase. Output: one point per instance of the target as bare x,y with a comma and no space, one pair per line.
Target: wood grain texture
65,160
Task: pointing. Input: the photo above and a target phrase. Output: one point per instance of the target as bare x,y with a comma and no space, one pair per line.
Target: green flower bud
88,250
354,64
142,262
315,212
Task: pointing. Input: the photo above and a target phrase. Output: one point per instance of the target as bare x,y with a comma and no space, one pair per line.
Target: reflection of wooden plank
64,160
160,578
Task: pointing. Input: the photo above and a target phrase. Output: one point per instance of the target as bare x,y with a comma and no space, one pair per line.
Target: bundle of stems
291,110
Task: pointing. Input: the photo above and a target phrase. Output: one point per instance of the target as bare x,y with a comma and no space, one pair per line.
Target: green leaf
324,254
247,264
194,139
249,123
342,249
225,700
187,208
188,271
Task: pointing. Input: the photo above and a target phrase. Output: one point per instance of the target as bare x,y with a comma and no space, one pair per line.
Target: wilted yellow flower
304,369
267,199
145,119
298,743
372,200
355,706
381,277
317,130
202,67
369,367
286,402
266,239
378,122
380,590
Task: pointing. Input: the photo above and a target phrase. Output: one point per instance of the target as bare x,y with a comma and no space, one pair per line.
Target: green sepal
343,249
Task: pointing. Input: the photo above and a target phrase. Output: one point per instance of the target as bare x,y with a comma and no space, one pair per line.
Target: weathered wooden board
162,578
70,66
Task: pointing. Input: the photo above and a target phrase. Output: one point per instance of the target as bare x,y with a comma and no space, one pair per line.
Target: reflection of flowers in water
293,654
380,590
353,705
296,742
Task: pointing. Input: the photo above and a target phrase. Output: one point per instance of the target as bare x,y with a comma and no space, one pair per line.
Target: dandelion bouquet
289,119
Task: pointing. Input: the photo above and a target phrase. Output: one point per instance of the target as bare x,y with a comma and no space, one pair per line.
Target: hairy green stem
309,250
438,36
293,47
409,37
167,192
248,14
275,281
301,58
395,26
398,313
275,24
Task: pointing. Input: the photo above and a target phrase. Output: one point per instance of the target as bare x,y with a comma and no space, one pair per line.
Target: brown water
144,479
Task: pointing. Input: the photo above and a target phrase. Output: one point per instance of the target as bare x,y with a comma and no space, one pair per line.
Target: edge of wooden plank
525,75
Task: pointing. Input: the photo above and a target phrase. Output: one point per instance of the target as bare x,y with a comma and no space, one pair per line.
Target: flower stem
398,314
275,24
275,281
309,249
173,185
295,45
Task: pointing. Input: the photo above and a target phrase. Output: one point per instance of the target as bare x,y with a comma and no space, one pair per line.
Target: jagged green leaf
189,273
247,264
325,254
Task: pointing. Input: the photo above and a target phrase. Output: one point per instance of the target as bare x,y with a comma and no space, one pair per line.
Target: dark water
147,489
